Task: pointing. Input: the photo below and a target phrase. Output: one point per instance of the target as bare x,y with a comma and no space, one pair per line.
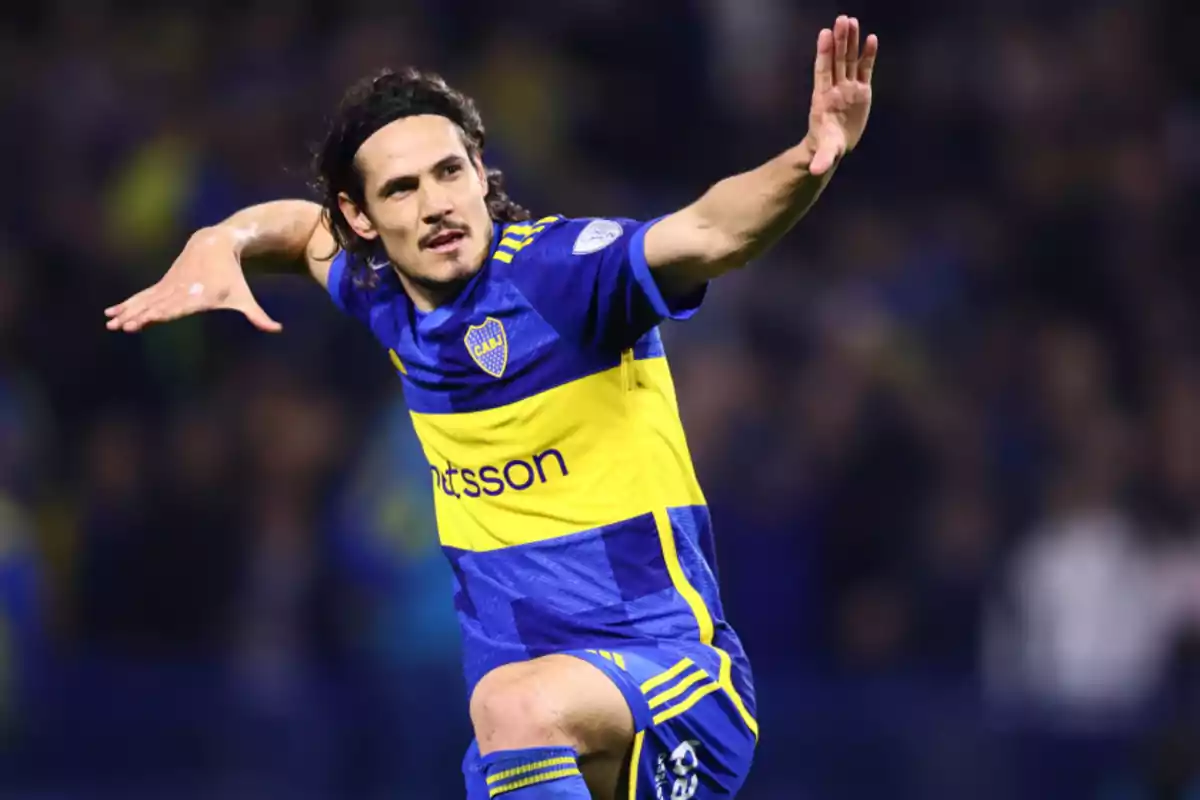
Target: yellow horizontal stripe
693,698
546,220
518,230
563,461
501,255
532,780
534,767
661,678
620,659
731,690
515,244
678,689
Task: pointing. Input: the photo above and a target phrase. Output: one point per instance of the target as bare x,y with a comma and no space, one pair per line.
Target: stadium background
950,430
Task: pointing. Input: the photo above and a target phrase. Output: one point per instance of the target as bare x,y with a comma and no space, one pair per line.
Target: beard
442,283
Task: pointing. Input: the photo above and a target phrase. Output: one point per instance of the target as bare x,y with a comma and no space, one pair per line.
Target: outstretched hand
841,100
206,276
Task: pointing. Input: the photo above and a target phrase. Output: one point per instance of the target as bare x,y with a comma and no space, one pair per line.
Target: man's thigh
587,705
690,741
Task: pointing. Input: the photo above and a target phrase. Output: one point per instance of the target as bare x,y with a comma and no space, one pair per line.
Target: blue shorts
694,738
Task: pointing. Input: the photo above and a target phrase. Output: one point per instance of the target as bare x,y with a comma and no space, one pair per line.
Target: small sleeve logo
597,235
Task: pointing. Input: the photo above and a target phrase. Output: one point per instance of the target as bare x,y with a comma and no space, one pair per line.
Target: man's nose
435,205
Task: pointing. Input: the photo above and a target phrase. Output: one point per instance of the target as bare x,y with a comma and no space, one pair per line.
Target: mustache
445,227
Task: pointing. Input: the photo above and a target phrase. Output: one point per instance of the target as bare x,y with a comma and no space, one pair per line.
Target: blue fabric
606,299
565,314
599,589
557,300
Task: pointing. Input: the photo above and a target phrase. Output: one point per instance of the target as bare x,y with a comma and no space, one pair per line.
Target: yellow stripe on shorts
693,698
678,689
661,678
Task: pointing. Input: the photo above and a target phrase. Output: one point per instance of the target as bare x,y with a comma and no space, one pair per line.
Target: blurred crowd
949,430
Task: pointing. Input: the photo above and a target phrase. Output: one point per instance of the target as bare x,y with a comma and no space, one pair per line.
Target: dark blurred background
949,431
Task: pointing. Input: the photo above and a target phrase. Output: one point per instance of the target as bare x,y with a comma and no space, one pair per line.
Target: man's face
424,201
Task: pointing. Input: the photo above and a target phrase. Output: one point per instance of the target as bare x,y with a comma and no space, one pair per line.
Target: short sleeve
589,279
348,296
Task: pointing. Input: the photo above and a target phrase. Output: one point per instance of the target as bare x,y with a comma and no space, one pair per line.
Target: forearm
752,211
735,221
271,237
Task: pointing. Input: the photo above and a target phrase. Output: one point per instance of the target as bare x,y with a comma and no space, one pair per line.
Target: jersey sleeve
352,299
590,280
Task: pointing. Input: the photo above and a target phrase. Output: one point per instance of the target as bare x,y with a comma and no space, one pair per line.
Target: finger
852,49
135,307
154,311
113,311
260,319
866,64
841,32
136,322
130,302
823,68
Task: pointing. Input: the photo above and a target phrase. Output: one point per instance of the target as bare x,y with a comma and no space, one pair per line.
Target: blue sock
544,773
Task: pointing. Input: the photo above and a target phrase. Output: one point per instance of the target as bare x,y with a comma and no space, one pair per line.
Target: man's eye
453,169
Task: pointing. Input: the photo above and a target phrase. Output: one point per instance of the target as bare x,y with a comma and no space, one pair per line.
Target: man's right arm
279,237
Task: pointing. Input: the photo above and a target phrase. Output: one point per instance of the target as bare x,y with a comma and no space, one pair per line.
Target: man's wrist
214,237
808,146
226,237
801,155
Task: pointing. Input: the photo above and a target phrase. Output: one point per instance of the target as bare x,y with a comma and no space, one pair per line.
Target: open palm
206,276
841,100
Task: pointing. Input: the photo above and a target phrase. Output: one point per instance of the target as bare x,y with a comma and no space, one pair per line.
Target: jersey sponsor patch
597,235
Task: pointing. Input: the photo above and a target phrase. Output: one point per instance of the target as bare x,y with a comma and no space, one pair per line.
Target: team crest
488,346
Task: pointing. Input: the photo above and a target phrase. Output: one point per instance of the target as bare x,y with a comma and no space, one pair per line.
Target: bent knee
554,701
514,707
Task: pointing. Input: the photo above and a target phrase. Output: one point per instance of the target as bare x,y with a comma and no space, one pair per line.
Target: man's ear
357,217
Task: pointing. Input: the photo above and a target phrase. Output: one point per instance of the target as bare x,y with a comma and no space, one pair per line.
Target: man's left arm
741,217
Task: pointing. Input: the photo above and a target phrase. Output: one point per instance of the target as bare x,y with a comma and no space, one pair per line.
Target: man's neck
427,297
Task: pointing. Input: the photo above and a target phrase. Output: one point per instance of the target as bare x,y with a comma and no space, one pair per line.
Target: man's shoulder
559,238
520,239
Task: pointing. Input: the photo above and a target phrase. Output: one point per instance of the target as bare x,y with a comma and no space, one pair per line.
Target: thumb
823,159
259,318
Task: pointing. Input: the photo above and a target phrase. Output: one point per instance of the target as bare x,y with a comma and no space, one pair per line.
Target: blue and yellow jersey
566,499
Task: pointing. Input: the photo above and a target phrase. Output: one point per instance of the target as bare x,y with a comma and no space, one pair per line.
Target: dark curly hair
371,104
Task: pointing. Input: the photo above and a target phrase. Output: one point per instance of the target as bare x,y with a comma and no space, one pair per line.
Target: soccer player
596,651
